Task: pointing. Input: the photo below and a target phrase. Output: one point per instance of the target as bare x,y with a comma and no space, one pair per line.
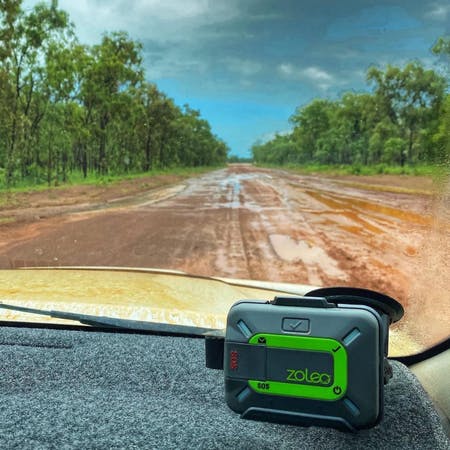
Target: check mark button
295,325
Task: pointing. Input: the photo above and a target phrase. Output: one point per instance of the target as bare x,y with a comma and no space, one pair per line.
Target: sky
248,64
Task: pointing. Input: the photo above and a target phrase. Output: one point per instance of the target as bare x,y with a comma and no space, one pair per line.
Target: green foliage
358,169
394,150
77,178
238,159
67,108
404,121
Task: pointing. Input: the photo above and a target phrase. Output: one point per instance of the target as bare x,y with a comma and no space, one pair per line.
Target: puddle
291,250
366,225
354,229
158,196
230,193
338,203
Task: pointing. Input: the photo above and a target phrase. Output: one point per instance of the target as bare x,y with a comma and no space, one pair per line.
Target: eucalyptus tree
112,68
311,122
28,38
409,97
441,138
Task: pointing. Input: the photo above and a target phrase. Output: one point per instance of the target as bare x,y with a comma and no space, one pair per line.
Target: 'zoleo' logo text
305,377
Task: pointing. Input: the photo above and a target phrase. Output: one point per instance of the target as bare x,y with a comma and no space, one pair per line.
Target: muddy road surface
247,222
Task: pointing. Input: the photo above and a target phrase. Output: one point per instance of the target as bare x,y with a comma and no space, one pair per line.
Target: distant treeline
69,107
405,120
239,159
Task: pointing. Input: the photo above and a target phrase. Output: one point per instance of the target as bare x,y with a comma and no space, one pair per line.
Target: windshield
276,146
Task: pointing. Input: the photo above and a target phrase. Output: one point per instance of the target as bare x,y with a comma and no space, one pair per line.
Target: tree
28,37
442,49
113,68
441,138
10,11
310,124
398,123
409,97
68,107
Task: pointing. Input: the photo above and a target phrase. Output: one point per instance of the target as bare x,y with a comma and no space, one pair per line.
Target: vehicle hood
139,294
144,294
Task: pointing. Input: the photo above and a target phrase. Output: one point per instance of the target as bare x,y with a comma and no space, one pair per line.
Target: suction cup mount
357,296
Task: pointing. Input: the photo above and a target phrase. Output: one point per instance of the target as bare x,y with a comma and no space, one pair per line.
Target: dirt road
245,222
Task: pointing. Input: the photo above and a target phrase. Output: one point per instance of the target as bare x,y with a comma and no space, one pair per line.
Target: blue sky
246,65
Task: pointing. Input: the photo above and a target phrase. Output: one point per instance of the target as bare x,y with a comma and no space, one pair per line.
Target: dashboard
81,387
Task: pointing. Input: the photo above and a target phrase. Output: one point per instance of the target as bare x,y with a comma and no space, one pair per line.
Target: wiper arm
112,322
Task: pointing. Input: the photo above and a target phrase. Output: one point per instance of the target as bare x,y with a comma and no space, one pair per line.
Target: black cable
409,360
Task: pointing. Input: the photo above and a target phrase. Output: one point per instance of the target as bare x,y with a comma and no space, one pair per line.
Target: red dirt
244,222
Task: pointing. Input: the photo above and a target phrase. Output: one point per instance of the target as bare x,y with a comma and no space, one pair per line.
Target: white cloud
287,69
169,10
266,137
173,66
157,20
171,30
358,74
313,75
245,67
440,12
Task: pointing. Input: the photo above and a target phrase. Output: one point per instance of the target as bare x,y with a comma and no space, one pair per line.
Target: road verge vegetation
95,189
357,169
414,180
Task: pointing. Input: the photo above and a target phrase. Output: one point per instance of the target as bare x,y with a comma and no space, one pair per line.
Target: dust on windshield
291,145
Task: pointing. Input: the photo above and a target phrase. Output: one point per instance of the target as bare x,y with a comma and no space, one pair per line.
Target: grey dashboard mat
75,389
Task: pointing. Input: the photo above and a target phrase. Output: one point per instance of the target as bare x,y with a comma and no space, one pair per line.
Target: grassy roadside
94,189
356,169
77,179
414,180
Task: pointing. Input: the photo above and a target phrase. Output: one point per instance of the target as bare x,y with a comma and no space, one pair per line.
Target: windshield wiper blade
115,323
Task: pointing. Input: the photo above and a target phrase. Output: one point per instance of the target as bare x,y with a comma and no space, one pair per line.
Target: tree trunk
103,166
148,155
49,164
410,145
10,154
84,161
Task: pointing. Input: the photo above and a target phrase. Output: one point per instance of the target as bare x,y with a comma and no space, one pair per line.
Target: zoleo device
320,359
